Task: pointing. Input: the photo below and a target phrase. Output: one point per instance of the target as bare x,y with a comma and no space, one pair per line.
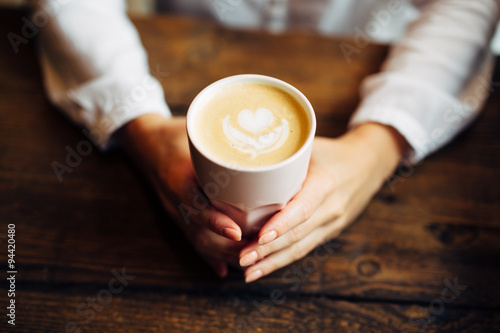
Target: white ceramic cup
249,195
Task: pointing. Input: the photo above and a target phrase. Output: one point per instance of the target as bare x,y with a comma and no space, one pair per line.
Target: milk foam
261,137
251,124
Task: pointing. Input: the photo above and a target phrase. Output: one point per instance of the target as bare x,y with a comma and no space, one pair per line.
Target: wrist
382,143
136,129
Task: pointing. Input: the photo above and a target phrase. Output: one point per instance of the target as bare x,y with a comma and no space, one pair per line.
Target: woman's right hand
159,147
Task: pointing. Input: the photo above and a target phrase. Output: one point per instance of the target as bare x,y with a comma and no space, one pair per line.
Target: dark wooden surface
385,273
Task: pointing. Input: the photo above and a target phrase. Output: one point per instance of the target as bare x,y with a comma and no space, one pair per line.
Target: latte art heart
251,125
255,123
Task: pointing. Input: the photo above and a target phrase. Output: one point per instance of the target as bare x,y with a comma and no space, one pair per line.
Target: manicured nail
231,234
248,259
268,237
253,276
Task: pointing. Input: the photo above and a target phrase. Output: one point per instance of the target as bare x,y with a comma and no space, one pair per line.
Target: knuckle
297,252
296,233
342,207
263,250
283,224
307,208
330,182
270,267
212,220
339,204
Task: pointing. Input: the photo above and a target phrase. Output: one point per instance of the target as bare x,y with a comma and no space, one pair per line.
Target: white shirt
432,84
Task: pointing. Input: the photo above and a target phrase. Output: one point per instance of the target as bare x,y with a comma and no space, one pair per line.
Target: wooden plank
440,223
92,310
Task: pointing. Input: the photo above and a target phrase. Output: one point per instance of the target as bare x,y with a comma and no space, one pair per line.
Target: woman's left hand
343,176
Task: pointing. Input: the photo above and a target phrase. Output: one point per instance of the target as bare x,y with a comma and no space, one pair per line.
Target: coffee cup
250,139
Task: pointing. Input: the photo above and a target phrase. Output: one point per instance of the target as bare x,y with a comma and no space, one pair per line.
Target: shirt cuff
109,102
425,116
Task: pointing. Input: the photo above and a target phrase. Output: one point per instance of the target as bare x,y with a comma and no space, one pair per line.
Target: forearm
95,67
147,138
428,86
378,146
133,136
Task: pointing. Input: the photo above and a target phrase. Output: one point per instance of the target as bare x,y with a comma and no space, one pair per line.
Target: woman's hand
160,149
343,176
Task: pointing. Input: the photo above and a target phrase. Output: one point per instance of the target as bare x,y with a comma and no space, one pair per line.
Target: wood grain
144,311
438,221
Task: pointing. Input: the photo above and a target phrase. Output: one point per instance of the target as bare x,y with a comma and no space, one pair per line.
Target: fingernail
268,237
231,234
244,252
253,276
248,259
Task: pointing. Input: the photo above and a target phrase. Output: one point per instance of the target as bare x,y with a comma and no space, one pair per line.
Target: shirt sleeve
94,66
436,78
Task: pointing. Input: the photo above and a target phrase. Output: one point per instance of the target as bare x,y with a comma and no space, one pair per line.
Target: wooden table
390,271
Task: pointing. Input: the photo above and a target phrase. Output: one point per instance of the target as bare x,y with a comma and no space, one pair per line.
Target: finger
220,223
213,219
326,213
195,207
255,251
340,216
282,258
210,244
205,241
292,253
299,209
250,253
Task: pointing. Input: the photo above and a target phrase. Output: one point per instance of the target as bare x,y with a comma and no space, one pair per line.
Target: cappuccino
251,125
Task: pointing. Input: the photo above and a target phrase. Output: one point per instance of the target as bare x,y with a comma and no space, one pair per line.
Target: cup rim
253,78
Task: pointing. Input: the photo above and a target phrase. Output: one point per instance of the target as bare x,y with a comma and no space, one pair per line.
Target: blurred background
139,7
147,7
